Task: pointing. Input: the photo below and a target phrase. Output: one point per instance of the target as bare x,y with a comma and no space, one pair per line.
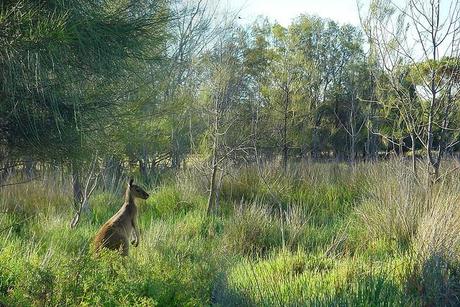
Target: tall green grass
319,235
293,279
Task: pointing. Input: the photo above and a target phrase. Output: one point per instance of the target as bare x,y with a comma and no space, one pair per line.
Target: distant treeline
151,83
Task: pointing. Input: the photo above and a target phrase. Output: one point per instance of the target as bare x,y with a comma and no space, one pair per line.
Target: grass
318,235
288,279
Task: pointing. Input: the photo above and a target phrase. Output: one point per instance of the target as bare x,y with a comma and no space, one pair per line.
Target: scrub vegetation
309,164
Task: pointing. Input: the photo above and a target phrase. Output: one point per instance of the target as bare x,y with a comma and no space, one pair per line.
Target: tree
223,93
284,78
66,71
397,92
70,70
192,33
347,107
423,36
325,51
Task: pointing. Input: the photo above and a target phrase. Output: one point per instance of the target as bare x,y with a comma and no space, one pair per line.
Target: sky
283,11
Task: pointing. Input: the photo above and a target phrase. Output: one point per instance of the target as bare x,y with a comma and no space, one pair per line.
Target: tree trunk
352,132
315,137
254,130
414,158
285,143
352,150
76,186
175,151
317,123
212,183
143,169
7,170
112,173
29,167
433,169
217,202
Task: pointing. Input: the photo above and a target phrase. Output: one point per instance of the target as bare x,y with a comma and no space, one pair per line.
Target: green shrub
168,201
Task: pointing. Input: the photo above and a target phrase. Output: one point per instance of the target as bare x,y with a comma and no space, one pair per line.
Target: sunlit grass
320,235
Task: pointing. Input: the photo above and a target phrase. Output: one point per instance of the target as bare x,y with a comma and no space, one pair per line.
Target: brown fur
116,232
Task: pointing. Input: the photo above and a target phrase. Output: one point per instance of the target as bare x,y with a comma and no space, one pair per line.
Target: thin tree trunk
285,144
174,150
317,122
29,167
76,186
352,132
212,184
414,158
432,168
143,169
352,150
217,202
314,151
401,148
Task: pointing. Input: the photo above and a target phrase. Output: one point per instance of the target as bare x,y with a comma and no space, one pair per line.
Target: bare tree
353,126
423,36
204,59
225,92
90,178
199,25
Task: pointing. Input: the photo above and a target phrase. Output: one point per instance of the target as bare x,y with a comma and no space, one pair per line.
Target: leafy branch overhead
67,66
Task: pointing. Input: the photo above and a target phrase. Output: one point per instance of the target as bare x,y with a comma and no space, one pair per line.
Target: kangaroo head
137,191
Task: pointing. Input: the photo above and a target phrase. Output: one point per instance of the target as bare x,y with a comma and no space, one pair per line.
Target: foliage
249,141
66,68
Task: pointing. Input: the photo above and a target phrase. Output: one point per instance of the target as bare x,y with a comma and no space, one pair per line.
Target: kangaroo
116,232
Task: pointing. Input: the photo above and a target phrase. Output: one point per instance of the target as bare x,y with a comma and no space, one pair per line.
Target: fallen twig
20,182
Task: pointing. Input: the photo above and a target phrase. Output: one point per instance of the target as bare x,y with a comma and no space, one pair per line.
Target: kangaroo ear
131,182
